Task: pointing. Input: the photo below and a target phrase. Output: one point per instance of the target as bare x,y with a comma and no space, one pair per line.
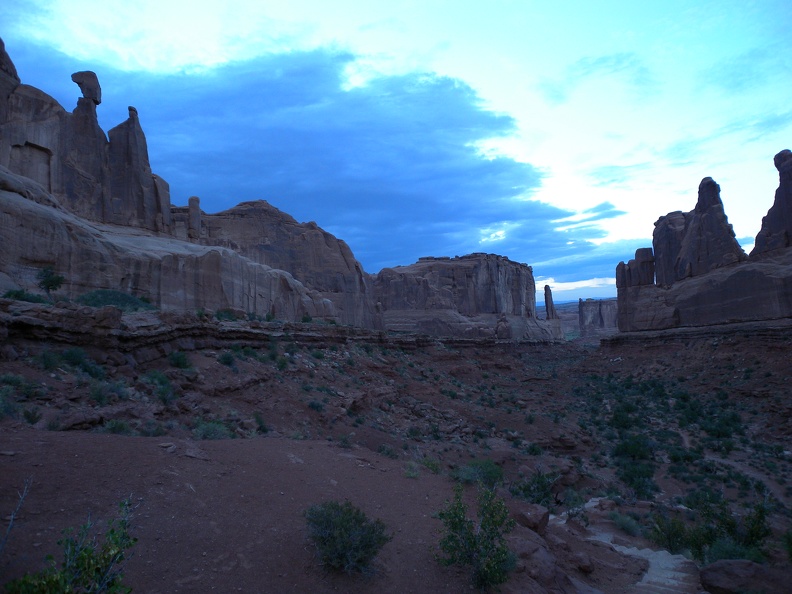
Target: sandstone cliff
702,275
89,206
266,235
597,317
474,295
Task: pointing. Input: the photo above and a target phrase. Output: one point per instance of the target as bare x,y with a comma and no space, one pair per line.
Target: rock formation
469,296
597,317
776,231
89,206
703,276
549,306
266,235
693,243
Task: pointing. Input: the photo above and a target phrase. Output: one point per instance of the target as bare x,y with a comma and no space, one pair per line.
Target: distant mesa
697,274
89,206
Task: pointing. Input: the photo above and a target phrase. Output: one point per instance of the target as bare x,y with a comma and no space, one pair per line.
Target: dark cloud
627,66
391,167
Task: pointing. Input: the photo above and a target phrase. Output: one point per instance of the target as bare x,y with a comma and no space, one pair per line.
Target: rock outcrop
467,296
598,317
268,236
696,242
703,277
550,310
776,231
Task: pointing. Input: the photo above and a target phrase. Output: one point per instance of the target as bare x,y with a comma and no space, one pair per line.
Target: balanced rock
776,231
89,85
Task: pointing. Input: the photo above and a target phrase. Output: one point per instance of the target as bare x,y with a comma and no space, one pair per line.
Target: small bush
211,430
179,360
669,533
226,358
481,544
77,358
87,566
123,301
48,280
32,415
480,471
22,295
388,451
345,538
537,488
8,405
225,315
625,523
162,386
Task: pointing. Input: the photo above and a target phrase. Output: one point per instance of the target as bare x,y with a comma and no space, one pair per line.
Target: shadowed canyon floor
390,424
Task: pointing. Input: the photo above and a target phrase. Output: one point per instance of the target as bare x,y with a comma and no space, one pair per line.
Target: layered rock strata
703,277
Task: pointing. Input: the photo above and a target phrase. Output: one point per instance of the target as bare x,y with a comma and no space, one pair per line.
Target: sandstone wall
598,317
474,295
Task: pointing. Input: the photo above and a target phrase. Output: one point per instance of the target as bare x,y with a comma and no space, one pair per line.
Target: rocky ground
224,432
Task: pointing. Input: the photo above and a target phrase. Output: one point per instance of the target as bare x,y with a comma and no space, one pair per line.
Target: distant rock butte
88,205
698,275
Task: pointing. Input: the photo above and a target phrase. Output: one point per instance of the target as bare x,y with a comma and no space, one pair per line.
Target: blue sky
552,133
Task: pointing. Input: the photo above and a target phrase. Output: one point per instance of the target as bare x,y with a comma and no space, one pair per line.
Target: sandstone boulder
732,576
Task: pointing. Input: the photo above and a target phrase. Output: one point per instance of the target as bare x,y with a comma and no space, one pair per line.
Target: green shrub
226,358
388,451
123,301
88,565
32,415
118,427
162,386
484,471
179,359
8,405
345,538
22,295
626,523
537,488
668,532
77,358
225,315
48,281
211,430
481,544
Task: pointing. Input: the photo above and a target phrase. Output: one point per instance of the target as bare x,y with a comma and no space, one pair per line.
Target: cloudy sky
553,133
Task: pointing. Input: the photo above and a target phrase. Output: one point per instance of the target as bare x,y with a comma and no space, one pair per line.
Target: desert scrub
537,488
123,301
179,360
480,544
88,565
345,538
162,386
78,359
211,430
484,471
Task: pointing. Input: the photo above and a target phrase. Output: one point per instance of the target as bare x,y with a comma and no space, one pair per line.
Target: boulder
776,231
732,576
